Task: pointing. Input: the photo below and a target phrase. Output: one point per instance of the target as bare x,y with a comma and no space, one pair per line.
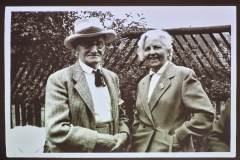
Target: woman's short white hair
164,37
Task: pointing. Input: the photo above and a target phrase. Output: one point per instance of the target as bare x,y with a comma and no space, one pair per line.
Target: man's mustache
158,56
99,53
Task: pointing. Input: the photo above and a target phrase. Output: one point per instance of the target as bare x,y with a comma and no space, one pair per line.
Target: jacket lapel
162,85
143,91
112,91
81,86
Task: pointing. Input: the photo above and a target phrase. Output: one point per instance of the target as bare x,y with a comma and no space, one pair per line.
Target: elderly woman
171,104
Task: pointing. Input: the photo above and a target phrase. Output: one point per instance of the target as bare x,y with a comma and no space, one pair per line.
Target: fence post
42,116
218,108
29,114
37,107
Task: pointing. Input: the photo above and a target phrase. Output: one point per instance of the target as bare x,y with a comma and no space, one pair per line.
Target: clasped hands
112,142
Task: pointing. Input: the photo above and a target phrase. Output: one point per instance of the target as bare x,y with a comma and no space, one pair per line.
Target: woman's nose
151,51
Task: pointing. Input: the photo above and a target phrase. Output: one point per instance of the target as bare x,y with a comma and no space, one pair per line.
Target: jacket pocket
141,138
170,140
174,145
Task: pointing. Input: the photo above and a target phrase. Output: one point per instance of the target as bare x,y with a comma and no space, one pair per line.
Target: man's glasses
90,42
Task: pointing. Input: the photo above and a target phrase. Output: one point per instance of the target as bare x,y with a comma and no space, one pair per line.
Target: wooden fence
207,50
22,115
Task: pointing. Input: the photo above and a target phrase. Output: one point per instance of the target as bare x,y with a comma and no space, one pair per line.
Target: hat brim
109,35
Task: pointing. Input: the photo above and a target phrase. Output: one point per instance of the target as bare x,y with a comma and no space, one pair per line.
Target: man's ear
75,52
75,46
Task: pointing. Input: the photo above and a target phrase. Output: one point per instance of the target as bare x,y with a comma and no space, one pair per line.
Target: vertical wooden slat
13,116
210,48
37,107
17,113
210,59
197,57
29,114
183,49
33,115
23,110
204,55
197,43
219,48
213,57
20,115
178,55
225,41
42,117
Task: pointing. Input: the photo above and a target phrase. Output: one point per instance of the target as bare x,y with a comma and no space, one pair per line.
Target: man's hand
120,138
106,140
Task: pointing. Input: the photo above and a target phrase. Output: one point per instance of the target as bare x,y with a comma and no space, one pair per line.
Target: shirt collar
87,68
161,70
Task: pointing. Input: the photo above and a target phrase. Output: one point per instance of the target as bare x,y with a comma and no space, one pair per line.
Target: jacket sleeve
219,137
123,120
60,131
198,104
136,120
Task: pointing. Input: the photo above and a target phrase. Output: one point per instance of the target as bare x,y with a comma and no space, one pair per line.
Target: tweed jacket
178,108
69,111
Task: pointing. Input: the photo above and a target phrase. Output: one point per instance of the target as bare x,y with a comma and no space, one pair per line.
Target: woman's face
155,52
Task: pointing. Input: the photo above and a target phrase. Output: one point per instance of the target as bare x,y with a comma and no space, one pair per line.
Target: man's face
155,53
91,50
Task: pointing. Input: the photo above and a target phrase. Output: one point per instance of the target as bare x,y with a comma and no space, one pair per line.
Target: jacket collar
161,70
87,68
81,86
163,84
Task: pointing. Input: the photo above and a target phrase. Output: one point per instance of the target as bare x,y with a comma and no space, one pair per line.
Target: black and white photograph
120,81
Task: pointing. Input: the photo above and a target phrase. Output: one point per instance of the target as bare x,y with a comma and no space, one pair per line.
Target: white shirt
100,96
155,78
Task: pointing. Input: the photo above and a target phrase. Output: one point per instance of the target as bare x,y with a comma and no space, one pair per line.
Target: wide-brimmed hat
90,27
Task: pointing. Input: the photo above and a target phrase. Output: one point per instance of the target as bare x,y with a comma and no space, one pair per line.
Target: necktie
99,80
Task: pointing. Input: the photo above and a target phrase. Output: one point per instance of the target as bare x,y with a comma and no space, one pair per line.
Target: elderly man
82,110
171,105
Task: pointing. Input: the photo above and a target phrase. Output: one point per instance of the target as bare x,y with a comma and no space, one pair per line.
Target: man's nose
94,48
